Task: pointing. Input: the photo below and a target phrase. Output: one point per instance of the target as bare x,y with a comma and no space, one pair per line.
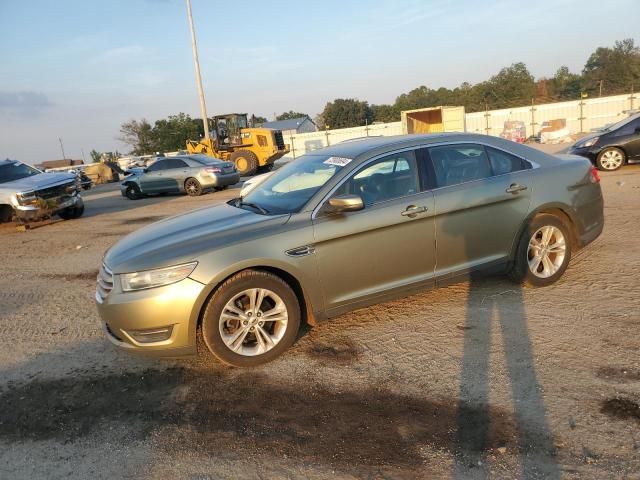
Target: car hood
37,182
184,238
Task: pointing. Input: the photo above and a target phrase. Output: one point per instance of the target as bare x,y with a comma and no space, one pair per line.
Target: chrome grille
56,191
105,283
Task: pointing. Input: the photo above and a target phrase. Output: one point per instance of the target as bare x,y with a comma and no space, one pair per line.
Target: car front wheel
132,192
543,252
610,159
251,319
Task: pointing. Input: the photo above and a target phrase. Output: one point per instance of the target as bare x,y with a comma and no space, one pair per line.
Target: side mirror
346,203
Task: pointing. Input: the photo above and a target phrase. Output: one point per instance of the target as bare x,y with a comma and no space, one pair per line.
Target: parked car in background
252,183
341,228
28,194
85,182
613,146
190,174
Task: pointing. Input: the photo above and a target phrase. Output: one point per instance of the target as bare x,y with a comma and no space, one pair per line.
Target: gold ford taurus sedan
347,226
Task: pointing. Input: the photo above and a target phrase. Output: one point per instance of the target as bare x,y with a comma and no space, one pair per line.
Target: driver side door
152,179
367,255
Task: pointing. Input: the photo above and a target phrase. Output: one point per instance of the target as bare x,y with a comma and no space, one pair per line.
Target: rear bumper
222,180
592,219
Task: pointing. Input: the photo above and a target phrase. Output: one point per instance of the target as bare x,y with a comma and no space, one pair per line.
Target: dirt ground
480,379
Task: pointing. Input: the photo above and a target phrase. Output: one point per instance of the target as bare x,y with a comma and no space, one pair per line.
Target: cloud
26,103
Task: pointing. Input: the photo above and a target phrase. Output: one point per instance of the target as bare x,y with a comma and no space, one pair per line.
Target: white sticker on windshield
338,161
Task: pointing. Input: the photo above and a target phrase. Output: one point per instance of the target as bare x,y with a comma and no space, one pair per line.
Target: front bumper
128,316
587,152
30,213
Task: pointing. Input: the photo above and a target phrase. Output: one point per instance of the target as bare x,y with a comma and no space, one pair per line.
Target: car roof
368,147
7,162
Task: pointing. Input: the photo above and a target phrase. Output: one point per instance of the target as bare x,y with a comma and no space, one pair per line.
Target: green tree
385,113
138,135
565,84
290,115
95,156
511,87
172,133
347,112
257,121
615,70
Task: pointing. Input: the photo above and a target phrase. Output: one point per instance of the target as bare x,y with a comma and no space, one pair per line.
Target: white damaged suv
28,194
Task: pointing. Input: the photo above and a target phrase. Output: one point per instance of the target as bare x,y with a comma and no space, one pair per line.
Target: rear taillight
213,170
595,176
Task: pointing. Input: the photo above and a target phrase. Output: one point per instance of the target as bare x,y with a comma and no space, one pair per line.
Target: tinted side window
628,129
454,164
176,163
157,166
503,162
387,178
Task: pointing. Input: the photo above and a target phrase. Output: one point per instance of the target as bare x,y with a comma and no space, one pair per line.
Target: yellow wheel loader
249,148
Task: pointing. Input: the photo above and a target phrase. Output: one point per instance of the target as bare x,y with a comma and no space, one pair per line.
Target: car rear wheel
132,192
543,252
251,319
610,159
193,187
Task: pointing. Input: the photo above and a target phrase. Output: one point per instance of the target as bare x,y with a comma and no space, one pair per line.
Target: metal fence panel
581,116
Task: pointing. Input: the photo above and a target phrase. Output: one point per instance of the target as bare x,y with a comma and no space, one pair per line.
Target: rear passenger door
482,197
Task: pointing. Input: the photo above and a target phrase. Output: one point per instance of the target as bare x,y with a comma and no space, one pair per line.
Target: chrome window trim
534,165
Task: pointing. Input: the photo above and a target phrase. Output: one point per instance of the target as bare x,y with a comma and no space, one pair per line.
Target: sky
78,69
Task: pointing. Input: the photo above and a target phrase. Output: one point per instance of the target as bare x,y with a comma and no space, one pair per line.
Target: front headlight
590,142
156,278
25,198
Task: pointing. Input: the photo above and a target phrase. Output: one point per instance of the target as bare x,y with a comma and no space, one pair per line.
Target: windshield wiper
262,210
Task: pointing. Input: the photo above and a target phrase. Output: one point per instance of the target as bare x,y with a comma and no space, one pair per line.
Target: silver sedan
190,174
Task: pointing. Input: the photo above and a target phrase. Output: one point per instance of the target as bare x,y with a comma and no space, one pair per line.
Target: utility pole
203,106
84,160
62,148
601,81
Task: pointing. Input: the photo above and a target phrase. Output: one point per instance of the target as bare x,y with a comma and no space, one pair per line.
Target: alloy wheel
253,322
611,159
546,252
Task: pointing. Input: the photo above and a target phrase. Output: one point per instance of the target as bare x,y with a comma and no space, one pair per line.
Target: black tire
265,168
605,164
132,192
6,213
246,162
235,285
72,213
520,271
192,187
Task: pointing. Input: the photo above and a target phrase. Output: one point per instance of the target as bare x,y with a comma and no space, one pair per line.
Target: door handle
515,188
412,211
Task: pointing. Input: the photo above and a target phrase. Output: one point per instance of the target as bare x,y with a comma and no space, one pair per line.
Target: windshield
15,171
621,123
288,189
